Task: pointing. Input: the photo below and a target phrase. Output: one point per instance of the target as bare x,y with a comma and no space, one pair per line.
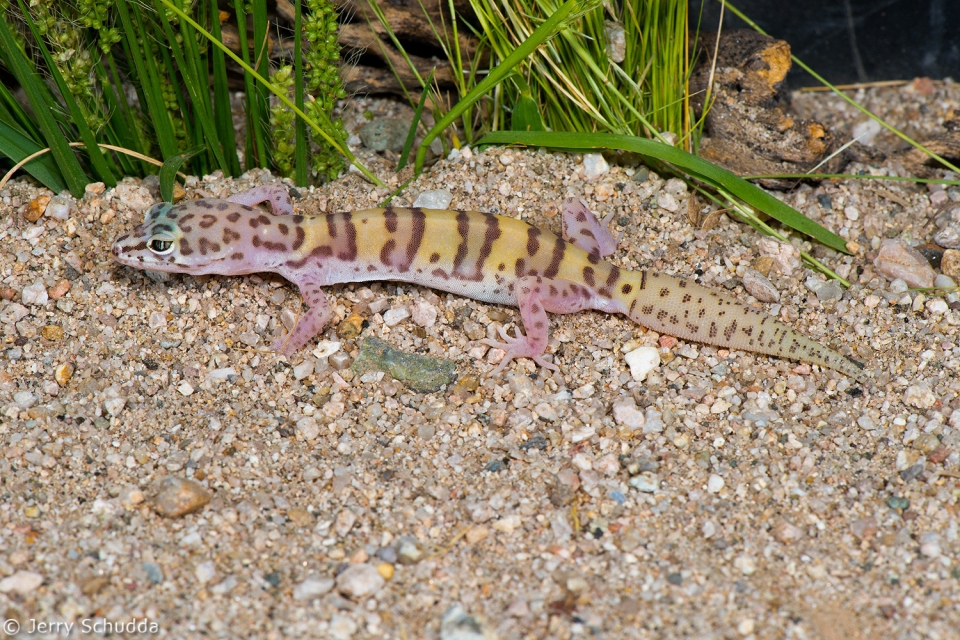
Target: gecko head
169,240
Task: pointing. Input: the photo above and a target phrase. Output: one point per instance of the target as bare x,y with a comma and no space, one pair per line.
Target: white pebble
667,201
24,399
642,361
114,406
307,428
937,306
205,572
312,587
137,198
745,564
864,132
594,166
303,369
220,374
627,414
715,483
34,294
851,213
59,207
185,388
21,582
944,282
326,348
645,483
360,581
437,199
395,316
424,314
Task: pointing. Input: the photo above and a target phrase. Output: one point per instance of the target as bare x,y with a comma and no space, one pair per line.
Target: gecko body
483,256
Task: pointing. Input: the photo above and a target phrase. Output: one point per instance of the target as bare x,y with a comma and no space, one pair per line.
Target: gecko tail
687,310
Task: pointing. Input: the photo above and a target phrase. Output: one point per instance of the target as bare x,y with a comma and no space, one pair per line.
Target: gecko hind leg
535,297
310,324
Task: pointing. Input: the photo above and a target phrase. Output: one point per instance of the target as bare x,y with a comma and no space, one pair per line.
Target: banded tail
687,310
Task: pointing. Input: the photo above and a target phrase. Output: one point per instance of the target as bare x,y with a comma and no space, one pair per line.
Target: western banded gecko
479,255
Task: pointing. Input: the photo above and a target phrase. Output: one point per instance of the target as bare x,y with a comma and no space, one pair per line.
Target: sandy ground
727,496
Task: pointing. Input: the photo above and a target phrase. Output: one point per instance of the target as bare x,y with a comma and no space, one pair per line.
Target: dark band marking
588,276
559,249
331,225
223,206
390,219
418,230
533,243
520,267
626,289
463,228
351,229
664,292
490,235
185,249
284,229
301,235
386,250
682,284
643,280
434,257
233,216
229,235
236,256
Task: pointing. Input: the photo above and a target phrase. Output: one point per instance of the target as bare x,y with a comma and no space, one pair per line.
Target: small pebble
176,497
627,414
307,428
787,532
34,209
715,483
393,317
456,624
21,582
759,286
437,199
898,260
342,627
386,570
745,564
642,361
60,207
645,483
408,552
205,572
312,587
360,581
34,294
63,373
594,166
153,571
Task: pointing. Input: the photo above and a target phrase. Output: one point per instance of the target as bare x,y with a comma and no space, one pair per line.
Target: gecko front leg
276,194
536,296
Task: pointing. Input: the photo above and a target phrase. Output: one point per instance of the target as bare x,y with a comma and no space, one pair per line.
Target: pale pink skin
580,228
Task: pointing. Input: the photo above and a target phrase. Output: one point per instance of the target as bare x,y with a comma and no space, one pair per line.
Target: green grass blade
685,162
148,74
322,131
168,172
412,133
34,89
262,65
222,113
94,153
15,113
16,145
301,171
550,27
196,82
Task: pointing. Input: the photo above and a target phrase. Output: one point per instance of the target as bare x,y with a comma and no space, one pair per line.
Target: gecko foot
520,346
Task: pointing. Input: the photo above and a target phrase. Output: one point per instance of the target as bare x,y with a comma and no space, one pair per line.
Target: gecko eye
160,246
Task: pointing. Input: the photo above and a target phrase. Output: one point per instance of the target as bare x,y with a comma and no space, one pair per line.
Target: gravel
158,464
